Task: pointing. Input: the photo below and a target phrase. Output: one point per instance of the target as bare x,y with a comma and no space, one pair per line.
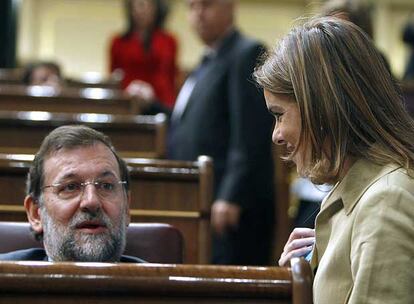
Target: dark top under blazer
226,118
39,254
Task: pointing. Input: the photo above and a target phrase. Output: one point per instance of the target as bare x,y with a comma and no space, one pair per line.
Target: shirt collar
362,174
212,51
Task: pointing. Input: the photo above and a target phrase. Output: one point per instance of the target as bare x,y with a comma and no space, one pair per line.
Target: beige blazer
364,250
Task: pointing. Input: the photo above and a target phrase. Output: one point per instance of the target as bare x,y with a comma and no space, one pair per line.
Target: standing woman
145,55
342,120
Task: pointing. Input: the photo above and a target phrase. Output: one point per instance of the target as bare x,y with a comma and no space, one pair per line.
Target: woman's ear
33,213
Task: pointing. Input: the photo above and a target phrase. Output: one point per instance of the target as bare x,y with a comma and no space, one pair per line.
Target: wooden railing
43,282
133,135
69,100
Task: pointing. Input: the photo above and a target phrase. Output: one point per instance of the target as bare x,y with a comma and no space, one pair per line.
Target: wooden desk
43,282
68,100
98,83
164,191
142,135
15,76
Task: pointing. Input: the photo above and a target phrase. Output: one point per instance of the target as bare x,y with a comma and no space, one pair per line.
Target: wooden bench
15,76
68,100
134,135
93,83
164,191
43,282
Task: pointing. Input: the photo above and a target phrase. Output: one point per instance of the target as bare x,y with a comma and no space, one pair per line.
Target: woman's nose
277,136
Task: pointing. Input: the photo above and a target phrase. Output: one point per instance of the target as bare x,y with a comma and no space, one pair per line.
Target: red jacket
157,66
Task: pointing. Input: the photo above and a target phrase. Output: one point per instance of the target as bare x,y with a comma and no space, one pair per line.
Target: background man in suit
219,112
77,199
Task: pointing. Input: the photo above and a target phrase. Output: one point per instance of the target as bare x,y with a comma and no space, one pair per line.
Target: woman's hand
300,243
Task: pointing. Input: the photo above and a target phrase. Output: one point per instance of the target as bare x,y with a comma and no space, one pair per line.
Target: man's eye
69,187
108,186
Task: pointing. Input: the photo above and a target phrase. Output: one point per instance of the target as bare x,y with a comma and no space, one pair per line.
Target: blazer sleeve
382,254
249,154
165,75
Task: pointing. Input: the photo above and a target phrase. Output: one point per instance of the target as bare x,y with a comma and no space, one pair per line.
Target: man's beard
66,243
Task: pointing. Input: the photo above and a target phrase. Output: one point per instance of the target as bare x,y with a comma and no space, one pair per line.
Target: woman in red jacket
145,55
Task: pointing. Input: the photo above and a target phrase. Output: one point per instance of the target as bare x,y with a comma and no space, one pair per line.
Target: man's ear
128,208
33,213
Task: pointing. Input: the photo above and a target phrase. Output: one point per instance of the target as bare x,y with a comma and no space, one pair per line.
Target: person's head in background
358,12
144,16
78,196
334,101
45,73
211,19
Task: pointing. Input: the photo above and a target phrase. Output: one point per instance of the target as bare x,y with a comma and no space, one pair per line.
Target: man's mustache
89,218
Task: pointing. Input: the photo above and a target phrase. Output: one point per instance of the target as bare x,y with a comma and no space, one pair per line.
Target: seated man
77,199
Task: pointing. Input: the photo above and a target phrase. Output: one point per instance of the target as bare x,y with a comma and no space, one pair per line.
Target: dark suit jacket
39,254
226,118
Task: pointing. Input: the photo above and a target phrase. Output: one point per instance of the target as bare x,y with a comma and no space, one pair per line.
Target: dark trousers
250,244
308,210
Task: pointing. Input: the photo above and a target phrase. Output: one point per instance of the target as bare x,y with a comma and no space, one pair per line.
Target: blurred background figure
408,77
144,56
408,38
46,73
220,112
359,12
